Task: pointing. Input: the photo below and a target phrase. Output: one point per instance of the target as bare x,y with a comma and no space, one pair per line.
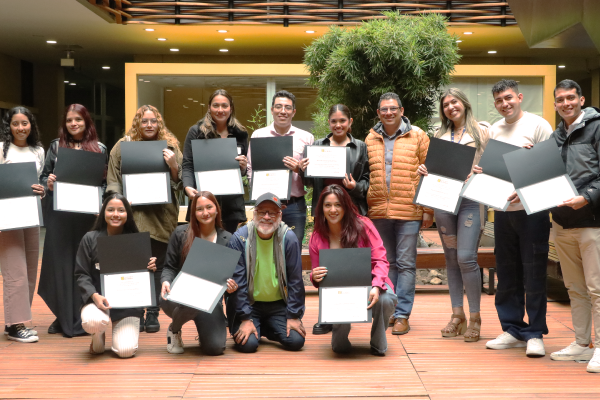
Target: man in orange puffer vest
395,150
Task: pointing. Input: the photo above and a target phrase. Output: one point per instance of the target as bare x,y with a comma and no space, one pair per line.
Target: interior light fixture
105,67
223,50
72,84
492,52
162,39
468,33
229,40
66,81
310,31
222,31
561,66
149,30
195,101
169,90
147,81
51,41
174,49
189,98
185,106
459,41
141,79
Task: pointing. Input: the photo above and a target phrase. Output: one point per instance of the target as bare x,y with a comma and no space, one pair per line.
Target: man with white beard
270,299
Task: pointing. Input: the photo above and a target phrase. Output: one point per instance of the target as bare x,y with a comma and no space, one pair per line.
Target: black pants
159,250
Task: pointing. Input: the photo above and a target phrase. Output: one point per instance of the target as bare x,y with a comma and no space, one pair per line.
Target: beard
266,230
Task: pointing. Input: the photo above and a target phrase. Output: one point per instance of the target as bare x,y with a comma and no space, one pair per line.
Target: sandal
472,333
454,329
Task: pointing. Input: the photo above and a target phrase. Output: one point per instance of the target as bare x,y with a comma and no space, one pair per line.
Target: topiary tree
411,56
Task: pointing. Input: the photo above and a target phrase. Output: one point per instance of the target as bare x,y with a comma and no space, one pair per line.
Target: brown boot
392,321
401,327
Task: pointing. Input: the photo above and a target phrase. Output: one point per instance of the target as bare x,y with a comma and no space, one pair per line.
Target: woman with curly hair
64,230
218,123
158,219
19,248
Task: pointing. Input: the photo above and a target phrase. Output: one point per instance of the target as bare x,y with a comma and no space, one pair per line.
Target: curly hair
90,136
135,132
33,140
207,125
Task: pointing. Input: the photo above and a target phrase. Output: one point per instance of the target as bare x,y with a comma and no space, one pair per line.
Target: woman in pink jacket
338,225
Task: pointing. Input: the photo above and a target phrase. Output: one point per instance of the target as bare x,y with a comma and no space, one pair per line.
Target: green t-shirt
266,284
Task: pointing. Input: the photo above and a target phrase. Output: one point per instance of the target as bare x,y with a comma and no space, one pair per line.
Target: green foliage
258,119
411,56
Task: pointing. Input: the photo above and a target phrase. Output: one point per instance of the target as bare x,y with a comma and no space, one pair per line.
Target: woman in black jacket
205,223
218,123
115,218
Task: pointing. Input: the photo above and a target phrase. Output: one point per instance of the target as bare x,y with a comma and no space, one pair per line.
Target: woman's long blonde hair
135,132
471,124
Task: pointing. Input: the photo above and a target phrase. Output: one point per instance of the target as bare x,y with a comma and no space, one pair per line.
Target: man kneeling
269,301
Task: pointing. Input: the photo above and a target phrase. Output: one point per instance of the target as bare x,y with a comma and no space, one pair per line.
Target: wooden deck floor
419,365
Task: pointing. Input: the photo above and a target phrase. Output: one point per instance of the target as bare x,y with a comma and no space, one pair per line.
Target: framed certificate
77,198
222,182
19,207
146,175
488,190
153,188
129,289
547,194
439,192
326,162
215,167
344,305
278,182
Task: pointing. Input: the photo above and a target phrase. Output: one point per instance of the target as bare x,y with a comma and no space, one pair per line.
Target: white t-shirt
529,129
18,154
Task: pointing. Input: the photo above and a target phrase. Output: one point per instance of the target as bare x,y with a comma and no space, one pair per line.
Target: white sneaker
97,345
594,364
573,352
535,348
505,341
174,342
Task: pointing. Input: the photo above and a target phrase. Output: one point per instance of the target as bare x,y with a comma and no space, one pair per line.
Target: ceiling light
174,49
202,104
459,41
195,101
169,90
229,40
222,31
310,31
492,52
162,39
147,81
72,84
185,106
561,66
149,30
189,98
66,81
105,67
223,50
51,41
468,33
141,79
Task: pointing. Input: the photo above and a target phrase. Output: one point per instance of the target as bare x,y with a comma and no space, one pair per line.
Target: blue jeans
460,237
294,216
400,241
521,262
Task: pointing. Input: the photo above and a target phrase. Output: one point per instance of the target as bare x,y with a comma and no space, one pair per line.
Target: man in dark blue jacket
576,223
270,299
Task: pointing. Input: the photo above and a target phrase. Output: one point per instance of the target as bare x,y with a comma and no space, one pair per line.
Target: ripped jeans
460,235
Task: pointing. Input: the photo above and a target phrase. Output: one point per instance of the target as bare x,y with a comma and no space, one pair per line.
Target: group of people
371,207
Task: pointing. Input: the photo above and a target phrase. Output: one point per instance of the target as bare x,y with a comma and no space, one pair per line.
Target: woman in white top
19,248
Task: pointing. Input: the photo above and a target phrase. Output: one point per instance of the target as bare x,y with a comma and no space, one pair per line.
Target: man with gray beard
270,299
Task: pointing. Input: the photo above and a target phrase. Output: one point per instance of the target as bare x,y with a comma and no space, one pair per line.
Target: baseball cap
268,197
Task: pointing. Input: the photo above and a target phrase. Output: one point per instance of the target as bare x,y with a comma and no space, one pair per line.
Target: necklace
461,135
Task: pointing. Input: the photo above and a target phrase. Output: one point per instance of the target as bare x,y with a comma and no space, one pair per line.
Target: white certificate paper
546,194
19,212
439,192
489,190
344,304
196,292
77,198
326,161
147,188
128,290
274,181
226,181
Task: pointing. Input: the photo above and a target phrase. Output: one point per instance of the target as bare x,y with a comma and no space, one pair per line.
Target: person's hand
246,329
38,190
296,324
243,162
319,273
302,164
422,170
152,264
349,182
427,221
231,286
477,170
100,302
170,159
50,182
528,146
514,198
575,203
373,297
190,192
292,164
165,290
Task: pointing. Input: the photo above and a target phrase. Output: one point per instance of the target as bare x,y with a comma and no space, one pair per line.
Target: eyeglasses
153,121
393,110
272,214
279,107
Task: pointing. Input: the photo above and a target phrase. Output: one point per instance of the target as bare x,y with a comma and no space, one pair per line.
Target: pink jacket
379,264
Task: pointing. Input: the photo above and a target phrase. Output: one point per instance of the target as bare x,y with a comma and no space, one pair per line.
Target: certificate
274,181
128,290
20,212
196,292
77,198
342,305
151,188
439,192
223,182
326,162
488,190
547,194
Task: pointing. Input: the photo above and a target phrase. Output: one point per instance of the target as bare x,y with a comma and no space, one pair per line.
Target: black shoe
322,329
19,333
55,327
142,327
152,324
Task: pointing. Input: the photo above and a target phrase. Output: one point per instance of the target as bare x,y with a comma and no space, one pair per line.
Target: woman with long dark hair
64,230
19,248
218,123
338,225
158,219
116,218
460,233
